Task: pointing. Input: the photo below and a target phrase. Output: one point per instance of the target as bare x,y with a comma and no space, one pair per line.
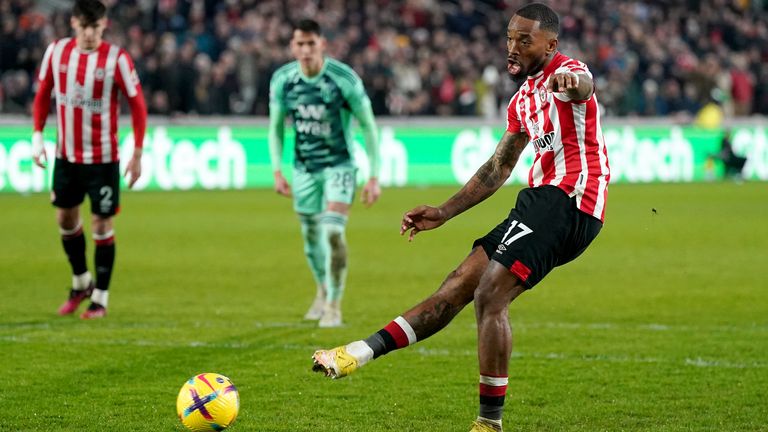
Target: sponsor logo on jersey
544,143
314,128
309,120
310,111
79,101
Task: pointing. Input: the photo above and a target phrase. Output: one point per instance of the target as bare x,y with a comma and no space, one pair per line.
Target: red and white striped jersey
566,135
85,85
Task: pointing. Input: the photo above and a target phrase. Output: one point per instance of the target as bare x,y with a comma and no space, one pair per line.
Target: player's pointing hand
561,82
422,218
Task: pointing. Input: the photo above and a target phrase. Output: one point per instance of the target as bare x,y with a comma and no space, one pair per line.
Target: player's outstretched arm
487,180
576,86
422,218
489,177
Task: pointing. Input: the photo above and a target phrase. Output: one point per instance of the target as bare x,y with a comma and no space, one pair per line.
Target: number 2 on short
106,196
524,230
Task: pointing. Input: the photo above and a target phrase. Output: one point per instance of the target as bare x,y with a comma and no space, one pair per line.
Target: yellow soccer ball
208,402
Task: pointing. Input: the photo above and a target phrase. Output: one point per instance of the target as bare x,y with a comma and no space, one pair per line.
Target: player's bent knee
68,218
338,207
101,225
488,300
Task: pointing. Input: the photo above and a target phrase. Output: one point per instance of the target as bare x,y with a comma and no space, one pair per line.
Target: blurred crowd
416,57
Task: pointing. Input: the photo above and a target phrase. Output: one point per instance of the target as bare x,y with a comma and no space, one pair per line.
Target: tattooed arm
489,177
487,180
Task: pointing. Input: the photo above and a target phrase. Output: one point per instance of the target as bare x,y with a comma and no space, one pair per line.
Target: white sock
82,281
361,351
100,297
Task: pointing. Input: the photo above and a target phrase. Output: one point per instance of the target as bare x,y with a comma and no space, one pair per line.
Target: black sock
378,344
74,247
493,390
104,260
394,335
94,306
491,408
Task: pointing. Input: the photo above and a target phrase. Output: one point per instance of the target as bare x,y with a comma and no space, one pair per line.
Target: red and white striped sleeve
514,124
574,66
42,101
128,81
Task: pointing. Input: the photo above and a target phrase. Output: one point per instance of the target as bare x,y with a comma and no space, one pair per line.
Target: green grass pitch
662,325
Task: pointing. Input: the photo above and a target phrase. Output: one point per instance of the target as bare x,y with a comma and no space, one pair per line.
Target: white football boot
331,315
315,311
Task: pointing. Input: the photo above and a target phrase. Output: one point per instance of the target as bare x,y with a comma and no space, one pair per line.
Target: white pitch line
426,352
152,343
699,362
653,327
122,325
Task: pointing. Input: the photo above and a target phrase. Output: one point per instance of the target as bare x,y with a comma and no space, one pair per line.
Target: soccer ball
208,402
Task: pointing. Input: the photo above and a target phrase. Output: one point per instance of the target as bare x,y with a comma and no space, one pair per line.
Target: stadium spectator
624,43
87,74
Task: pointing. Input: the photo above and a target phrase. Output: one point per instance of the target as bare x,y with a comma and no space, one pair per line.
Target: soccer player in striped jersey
321,95
553,221
86,74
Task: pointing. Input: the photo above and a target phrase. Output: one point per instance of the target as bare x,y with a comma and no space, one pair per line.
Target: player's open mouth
514,67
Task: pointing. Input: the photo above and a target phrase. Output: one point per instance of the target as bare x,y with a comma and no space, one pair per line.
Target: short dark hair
309,26
89,11
547,18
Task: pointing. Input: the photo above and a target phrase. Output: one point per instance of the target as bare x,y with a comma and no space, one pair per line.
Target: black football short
71,182
543,231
